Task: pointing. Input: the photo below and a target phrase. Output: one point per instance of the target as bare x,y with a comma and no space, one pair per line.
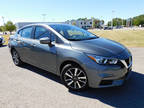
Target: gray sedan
79,57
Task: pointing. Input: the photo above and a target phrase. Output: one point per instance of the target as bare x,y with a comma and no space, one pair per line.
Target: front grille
128,61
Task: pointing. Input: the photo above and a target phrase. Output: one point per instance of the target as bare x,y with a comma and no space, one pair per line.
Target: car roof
49,24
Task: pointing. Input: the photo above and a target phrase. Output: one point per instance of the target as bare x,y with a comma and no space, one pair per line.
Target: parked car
108,28
1,41
79,57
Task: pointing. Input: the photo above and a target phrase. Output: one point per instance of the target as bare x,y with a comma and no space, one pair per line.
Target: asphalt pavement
30,87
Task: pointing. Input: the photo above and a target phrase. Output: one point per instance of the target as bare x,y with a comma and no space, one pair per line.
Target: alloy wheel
75,78
15,57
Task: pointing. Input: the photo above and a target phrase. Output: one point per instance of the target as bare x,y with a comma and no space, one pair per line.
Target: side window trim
19,33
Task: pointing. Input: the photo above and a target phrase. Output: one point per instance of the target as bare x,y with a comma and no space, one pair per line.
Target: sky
62,10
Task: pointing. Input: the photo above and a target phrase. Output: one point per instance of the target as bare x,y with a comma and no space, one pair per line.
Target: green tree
117,22
97,23
9,26
138,20
73,23
2,29
82,19
124,22
109,23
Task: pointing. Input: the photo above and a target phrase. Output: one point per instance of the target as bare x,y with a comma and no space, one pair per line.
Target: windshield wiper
83,39
75,39
92,38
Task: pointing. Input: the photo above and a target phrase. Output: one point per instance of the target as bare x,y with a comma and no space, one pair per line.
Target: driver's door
44,55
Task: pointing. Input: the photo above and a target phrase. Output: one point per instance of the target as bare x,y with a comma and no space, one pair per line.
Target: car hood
100,46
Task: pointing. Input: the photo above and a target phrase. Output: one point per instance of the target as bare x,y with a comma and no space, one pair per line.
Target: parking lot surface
30,87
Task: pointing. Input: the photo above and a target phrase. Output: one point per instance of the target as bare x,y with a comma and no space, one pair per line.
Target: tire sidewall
20,62
64,70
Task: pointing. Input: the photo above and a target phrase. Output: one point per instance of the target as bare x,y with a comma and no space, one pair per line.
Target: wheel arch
12,49
69,62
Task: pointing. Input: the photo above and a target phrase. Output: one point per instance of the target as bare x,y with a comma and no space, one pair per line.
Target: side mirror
45,40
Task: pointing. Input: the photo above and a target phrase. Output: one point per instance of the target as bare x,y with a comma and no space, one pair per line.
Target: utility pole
44,15
131,22
3,20
3,24
112,18
122,23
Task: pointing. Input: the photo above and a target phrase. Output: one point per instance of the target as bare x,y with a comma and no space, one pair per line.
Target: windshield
73,33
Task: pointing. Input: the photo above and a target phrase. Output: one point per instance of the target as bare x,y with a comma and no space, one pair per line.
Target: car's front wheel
74,77
16,58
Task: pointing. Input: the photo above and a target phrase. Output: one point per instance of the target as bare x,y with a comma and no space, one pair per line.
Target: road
30,87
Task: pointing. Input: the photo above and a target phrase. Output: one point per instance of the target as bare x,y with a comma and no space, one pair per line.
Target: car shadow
42,72
130,95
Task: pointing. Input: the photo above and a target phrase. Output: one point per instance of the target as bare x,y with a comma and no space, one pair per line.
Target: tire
74,77
16,58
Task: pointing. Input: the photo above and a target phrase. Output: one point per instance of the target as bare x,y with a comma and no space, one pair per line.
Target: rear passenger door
25,44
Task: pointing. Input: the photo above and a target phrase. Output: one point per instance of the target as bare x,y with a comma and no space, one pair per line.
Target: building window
90,22
81,22
84,22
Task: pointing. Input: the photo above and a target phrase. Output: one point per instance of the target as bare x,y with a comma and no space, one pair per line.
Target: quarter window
26,33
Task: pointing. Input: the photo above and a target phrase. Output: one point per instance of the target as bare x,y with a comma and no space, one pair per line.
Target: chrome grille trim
125,64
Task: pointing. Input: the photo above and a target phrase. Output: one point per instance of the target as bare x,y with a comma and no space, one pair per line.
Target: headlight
102,60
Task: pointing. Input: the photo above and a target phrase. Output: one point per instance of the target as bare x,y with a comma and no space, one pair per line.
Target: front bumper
100,76
115,82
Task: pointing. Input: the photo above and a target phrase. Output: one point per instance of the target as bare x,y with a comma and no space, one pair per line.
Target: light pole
3,20
122,22
112,19
131,22
44,15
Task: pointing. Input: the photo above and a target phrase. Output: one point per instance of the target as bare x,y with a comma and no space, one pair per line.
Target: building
82,23
22,24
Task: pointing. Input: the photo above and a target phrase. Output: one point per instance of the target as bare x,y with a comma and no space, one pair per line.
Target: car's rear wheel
16,58
74,77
